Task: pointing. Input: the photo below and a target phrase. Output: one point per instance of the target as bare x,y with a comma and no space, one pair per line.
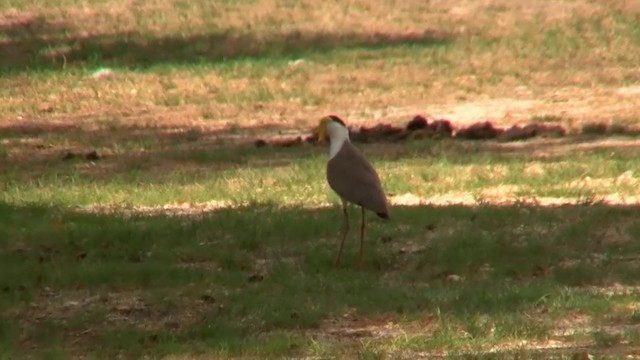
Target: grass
182,240
205,282
218,62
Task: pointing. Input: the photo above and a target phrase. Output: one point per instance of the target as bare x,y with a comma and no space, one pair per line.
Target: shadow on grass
34,149
36,44
259,279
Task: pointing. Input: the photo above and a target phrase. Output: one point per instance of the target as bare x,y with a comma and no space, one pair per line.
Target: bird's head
328,126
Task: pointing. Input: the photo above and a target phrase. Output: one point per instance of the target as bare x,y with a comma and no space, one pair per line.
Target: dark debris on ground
421,127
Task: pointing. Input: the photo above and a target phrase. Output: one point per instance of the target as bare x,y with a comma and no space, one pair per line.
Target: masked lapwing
352,177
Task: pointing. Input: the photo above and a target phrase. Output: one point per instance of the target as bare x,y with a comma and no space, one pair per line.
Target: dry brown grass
478,81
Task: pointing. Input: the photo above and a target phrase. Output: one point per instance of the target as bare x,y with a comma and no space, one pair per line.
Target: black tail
384,216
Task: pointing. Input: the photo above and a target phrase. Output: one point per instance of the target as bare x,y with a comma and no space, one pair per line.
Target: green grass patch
247,281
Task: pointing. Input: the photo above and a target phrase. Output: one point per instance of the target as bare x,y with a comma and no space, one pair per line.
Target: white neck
338,135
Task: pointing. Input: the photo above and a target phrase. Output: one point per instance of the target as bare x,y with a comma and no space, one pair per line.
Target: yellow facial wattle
322,130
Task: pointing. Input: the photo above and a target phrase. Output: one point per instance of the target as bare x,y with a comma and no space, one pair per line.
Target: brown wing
352,177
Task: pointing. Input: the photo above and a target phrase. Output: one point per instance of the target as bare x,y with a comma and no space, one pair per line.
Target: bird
351,176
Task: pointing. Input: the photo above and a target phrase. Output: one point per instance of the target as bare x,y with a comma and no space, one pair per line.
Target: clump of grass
621,129
601,128
607,339
594,128
547,118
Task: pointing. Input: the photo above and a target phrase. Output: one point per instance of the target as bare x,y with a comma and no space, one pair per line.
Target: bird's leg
345,230
361,238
